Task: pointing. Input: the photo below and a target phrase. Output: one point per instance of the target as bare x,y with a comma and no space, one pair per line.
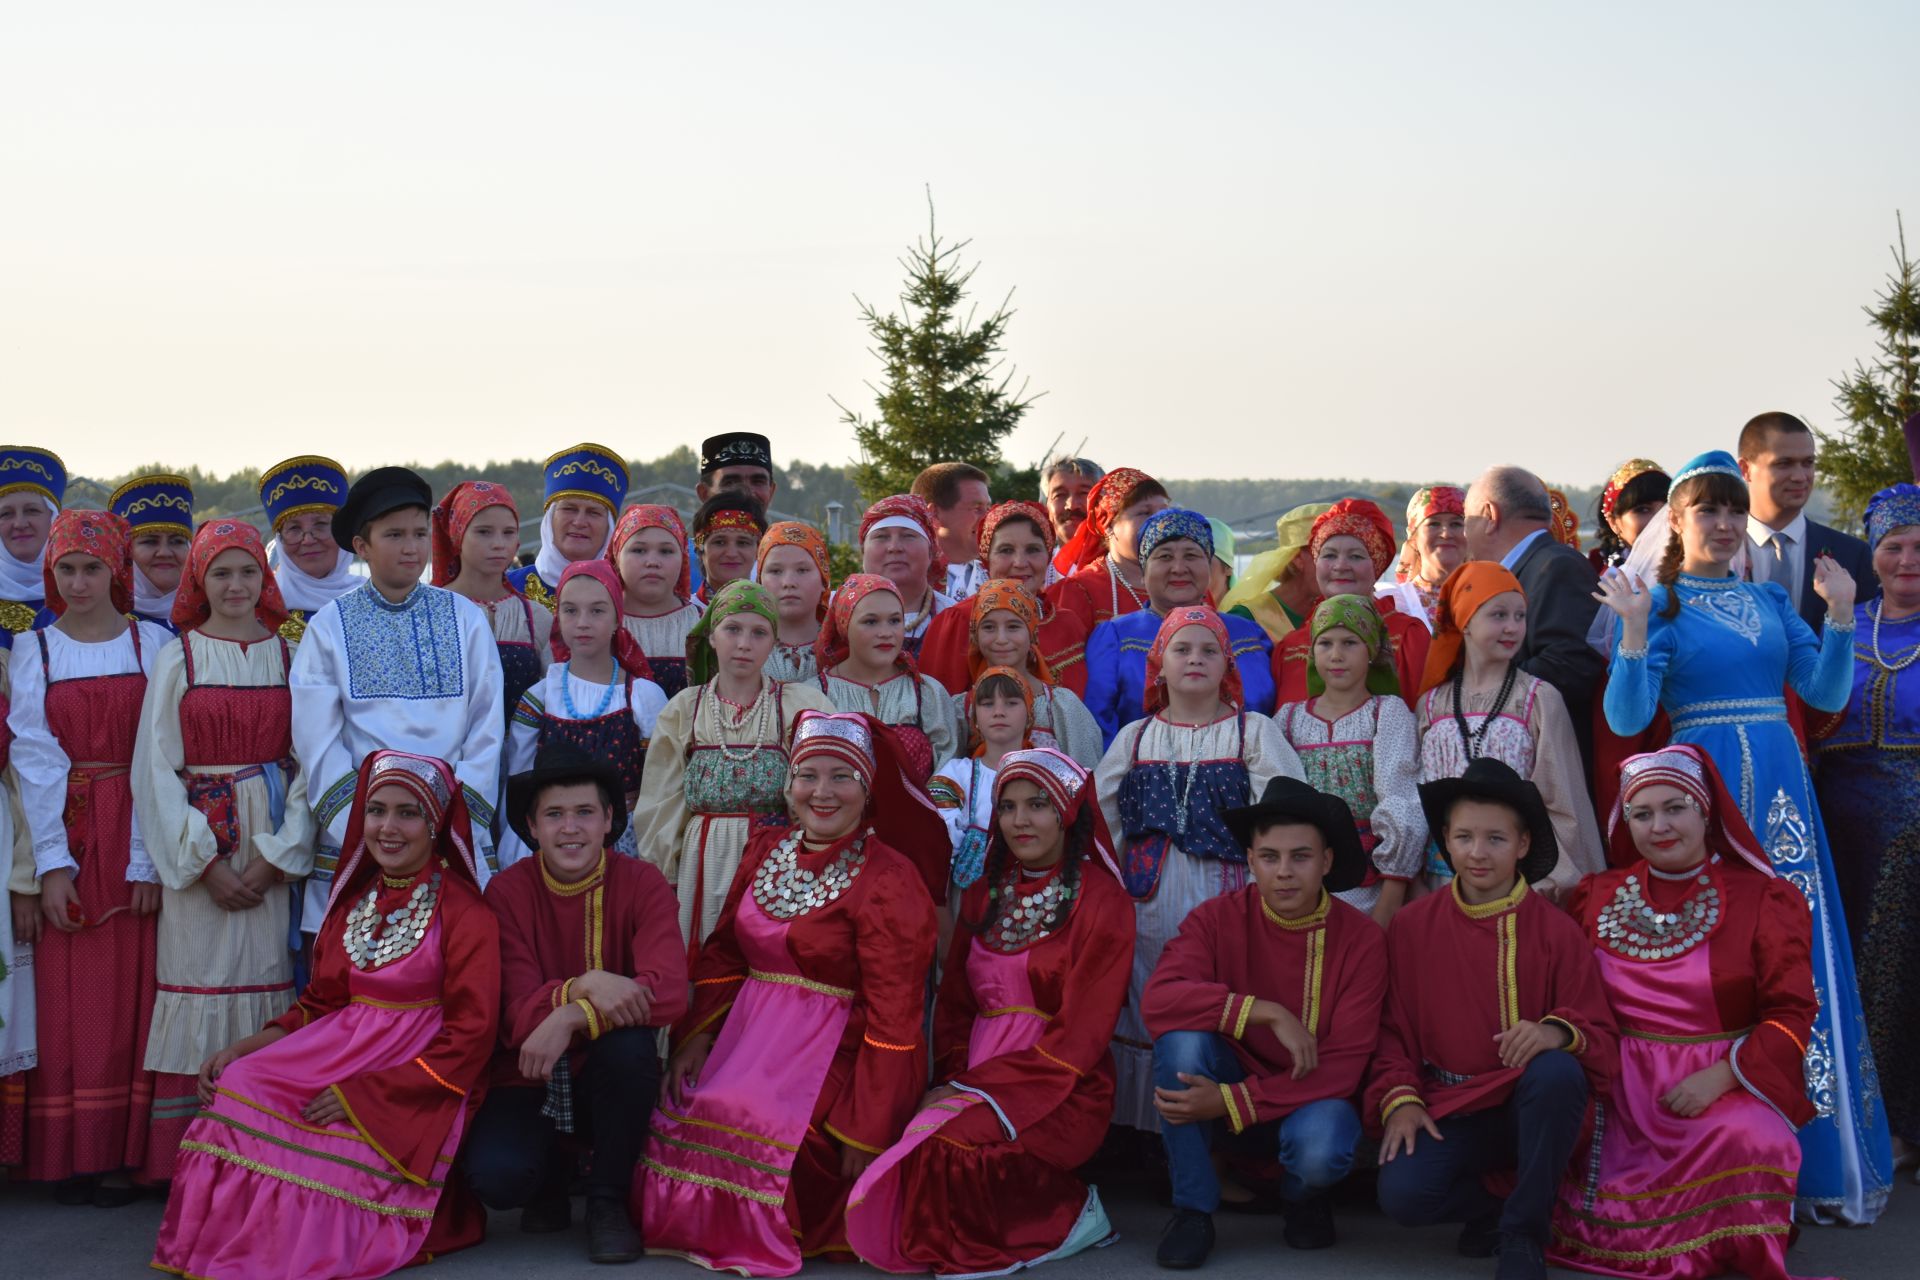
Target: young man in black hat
738,461
1497,1029
1264,1011
393,663
591,963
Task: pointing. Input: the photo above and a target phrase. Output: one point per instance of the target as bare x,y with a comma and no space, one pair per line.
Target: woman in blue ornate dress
1716,652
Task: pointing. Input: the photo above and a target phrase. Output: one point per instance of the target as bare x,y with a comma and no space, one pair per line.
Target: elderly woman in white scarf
300,496
585,486
33,482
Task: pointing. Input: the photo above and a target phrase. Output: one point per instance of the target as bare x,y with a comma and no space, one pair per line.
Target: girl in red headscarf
1036,974
1003,620
326,1147
1351,548
77,690
865,667
649,552
1016,544
476,539
793,568
805,1054
1162,785
1104,551
223,810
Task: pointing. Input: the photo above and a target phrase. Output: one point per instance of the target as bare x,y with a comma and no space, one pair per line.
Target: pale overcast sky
1398,241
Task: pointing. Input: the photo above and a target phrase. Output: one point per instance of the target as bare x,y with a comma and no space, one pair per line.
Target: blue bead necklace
566,695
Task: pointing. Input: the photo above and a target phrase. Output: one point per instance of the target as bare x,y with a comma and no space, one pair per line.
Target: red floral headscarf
1105,502
904,506
728,518
793,533
650,516
1005,593
831,646
453,514
626,649
1031,511
1178,620
1356,518
190,604
100,534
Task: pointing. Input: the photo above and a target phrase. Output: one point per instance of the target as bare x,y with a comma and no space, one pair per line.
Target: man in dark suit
1508,514
1776,457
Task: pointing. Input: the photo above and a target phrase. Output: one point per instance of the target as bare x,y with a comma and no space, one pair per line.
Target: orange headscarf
793,533
1466,590
1005,593
1026,696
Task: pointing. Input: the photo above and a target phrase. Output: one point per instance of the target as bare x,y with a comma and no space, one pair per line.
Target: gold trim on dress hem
723,1154
311,1184
1788,1174
1667,1220
726,1128
1672,1250
713,1183
283,1143
806,984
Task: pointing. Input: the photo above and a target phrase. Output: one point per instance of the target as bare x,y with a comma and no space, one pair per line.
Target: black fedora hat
1291,800
1495,781
560,763
379,492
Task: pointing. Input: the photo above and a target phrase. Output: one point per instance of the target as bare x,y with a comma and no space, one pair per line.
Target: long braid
1669,573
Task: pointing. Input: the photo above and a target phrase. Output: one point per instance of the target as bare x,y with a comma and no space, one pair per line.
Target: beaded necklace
1629,925
1880,660
566,695
785,890
373,940
753,722
1118,581
1026,918
1475,740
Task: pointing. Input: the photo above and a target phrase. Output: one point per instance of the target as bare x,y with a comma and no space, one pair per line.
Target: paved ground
39,1239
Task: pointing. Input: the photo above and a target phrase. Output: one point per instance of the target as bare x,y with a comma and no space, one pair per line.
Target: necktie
1781,569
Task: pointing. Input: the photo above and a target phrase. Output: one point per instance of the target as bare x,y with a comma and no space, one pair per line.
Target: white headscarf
300,589
550,563
149,600
26,579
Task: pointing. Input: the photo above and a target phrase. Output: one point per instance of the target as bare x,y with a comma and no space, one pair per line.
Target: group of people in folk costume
364,879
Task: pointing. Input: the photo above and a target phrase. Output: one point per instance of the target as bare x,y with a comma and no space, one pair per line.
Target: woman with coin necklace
805,1056
362,1090
1035,979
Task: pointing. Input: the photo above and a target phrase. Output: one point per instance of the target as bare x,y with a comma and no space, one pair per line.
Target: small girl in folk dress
793,568
1162,786
1004,619
649,552
1000,720
1358,741
717,764
865,667
77,690
476,538
599,696
224,813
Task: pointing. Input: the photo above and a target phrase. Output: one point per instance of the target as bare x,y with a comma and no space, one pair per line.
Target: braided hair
1077,843
1711,488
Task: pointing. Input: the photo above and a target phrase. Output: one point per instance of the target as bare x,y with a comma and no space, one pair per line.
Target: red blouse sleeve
894,937
327,987
406,1111
1350,1009
943,652
1184,993
1769,1060
1028,1085
659,954
722,966
1579,998
1395,1074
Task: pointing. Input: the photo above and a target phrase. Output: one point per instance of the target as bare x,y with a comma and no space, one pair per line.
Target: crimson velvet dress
1329,970
1067,618
1407,634
1459,975
1672,1196
819,1020
984,1182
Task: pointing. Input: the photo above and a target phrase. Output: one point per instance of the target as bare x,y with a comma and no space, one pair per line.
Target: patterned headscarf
1171,524
1359,615
1693,772
904,511
1105,502
191,606
1031,511
100,534
1005,593
1177,620
1026,696
431,781
1625,474
728,518
1358,518
793,533
626,649
832,645
1466,590
1068,785
738,596
1565,524
650,516
452,516
1894,507
1426,503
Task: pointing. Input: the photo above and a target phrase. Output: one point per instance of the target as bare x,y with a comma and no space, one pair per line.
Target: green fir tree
1870,452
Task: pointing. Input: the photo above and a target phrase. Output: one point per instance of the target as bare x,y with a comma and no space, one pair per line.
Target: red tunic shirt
1105,592
1329,970
1067,618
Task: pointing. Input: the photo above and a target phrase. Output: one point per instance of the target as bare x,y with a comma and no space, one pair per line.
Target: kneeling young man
1497,1030
591,962
1264,1010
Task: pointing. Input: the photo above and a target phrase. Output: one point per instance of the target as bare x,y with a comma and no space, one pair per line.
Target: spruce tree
1870,453
943,396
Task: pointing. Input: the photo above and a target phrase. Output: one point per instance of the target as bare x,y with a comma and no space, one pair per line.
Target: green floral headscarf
738,596
1358,615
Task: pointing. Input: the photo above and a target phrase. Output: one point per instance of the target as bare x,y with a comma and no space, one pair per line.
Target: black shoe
1480,1238
106,1197
1519,1260
1187,1240
548,1214
611,1235
1309,1223
73,1191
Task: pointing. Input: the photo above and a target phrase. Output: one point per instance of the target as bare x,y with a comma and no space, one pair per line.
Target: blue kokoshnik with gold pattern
155,504
300,486
587,471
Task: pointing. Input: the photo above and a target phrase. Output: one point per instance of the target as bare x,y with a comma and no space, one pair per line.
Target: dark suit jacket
1560,608
1851,554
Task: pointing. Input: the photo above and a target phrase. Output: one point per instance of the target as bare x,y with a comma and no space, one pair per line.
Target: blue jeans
1316,1141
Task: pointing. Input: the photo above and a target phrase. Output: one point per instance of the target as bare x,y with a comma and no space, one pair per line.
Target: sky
1392,241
